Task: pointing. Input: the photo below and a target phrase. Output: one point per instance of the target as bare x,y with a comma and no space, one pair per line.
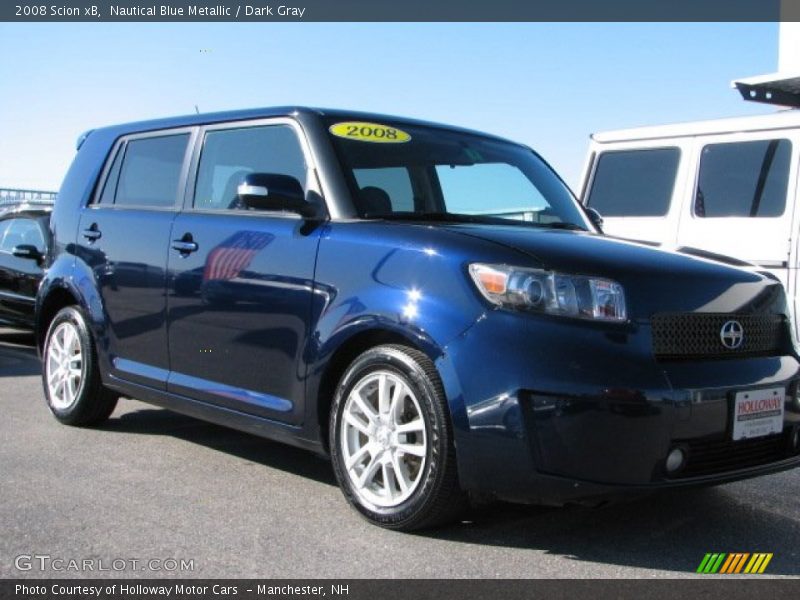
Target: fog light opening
796,440
675,460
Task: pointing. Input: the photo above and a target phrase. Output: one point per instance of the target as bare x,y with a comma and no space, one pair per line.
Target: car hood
654,280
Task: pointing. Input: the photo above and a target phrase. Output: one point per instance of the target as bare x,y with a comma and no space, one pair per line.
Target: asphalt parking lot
152,484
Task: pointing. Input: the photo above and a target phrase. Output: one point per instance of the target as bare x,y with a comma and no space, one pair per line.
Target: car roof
28,207
266,112
777,120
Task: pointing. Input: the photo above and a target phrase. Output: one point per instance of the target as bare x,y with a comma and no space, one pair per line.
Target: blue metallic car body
543,408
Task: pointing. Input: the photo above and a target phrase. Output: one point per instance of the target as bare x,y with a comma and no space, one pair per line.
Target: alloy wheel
64,365
383,439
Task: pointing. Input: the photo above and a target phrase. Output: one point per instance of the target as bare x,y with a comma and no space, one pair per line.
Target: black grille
711,457
695,335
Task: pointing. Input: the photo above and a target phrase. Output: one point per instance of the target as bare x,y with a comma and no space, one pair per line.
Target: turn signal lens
491,280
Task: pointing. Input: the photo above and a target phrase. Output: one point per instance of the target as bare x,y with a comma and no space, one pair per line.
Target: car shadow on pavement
156,421
668,531
18,354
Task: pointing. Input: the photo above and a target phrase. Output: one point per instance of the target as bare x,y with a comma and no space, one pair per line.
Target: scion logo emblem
732,335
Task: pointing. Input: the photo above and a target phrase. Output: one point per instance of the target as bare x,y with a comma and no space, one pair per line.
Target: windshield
398,171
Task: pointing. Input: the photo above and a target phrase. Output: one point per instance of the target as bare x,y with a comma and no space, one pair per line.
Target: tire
72,386
402,460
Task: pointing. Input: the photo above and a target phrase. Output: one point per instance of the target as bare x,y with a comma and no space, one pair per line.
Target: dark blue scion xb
427,305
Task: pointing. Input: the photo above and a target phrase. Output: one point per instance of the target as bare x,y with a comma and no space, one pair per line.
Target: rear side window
151,171
634,183
743,179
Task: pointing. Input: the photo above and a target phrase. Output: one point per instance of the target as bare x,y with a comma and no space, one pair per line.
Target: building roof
782,89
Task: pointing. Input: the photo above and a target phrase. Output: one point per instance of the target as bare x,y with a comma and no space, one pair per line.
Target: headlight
548,292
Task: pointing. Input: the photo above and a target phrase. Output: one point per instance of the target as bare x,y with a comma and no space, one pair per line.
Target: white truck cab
725,186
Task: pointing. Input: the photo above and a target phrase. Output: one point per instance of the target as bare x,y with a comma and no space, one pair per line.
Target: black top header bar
393,11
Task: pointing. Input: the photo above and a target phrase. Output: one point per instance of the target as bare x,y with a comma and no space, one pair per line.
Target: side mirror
27,251
270,191
595,217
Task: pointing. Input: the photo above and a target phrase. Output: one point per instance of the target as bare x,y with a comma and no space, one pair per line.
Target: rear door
240,280
124,236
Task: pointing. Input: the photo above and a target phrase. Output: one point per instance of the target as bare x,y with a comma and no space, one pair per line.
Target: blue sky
547,85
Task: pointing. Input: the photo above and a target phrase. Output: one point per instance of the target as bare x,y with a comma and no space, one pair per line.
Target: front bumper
573,411
554,490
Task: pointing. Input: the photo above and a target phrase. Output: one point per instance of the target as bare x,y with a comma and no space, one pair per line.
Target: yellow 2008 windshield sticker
369,132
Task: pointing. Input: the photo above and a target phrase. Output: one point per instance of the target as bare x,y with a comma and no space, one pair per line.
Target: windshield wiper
448,217
435,217
562,225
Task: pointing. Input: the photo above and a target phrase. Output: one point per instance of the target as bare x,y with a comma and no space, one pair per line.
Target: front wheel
392,442
72,386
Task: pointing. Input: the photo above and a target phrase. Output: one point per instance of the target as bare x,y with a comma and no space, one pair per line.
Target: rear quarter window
634,183
110,185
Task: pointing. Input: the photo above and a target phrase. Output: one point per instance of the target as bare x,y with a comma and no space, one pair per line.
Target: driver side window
229,155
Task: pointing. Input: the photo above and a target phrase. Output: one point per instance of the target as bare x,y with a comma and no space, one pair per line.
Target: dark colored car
429,306
24,234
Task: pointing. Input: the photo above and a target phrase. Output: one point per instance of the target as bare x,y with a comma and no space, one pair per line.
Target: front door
240,280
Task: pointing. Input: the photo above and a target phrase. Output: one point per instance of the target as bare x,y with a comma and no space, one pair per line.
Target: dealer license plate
758,413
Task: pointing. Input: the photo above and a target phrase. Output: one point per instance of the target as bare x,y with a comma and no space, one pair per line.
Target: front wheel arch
340,360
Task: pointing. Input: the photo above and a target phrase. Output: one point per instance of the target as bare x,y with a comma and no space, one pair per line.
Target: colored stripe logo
737,562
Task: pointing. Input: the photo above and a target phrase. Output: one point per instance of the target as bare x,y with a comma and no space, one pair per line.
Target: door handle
93,233
184,246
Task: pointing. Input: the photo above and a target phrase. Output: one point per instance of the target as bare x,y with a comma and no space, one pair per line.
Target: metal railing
18,196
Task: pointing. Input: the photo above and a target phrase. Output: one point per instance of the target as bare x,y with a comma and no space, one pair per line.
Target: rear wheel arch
56,299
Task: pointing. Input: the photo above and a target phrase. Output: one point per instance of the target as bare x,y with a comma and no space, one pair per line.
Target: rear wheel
72,386
392,442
